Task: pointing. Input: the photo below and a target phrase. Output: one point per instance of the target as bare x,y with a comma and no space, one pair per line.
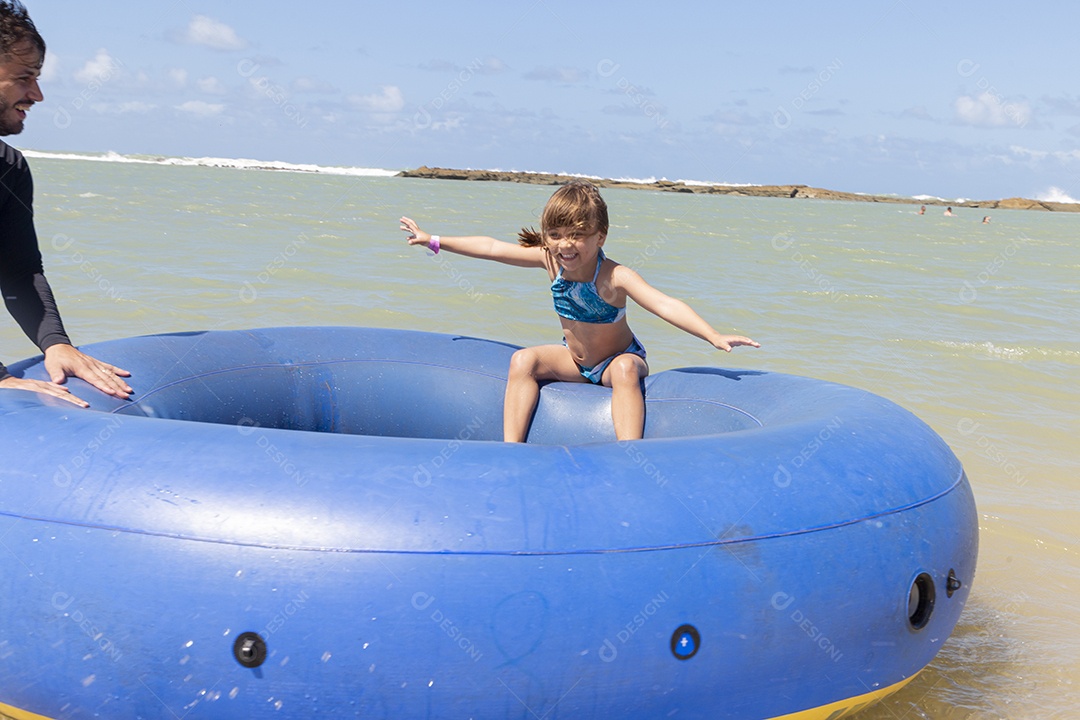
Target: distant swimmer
922,210
986,219
948,212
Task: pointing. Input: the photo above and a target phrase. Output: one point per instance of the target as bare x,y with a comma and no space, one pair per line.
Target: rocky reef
777,191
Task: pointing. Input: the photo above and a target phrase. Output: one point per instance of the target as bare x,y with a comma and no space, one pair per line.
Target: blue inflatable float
302,522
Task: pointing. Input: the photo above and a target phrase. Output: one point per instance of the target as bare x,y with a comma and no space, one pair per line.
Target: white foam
232,163
1010,353
703,183
641,181
1056,194
539,172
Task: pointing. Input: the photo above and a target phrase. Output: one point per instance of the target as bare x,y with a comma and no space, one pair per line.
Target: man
22,280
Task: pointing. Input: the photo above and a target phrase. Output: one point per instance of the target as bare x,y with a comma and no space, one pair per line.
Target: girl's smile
573,250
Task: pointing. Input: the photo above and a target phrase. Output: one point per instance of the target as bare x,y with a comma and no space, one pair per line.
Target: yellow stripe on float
832,711
6,711
843,708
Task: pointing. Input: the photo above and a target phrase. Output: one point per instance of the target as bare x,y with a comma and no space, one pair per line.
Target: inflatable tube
323,521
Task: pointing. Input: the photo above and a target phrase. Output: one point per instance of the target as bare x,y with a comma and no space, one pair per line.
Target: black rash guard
26,292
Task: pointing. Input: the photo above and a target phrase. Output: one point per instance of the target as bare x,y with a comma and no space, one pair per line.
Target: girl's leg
624,376
528,367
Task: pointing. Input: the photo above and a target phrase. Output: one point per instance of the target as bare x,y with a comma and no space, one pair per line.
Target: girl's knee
627,370
523,362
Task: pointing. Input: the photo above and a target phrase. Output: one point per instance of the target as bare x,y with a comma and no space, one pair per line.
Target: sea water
974,327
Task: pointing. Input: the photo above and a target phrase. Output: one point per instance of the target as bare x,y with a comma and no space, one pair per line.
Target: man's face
19,71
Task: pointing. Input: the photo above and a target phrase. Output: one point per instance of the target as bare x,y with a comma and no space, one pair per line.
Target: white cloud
1028,153
50,69
389,100
565,75
451,123
178,76
1063,156
312,85
211,85
135,106
102,68
492,66
206,31
989,110
917,112
1062,105
201,108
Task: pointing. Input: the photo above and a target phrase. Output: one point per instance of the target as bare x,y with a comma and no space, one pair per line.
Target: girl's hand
726,342
416,235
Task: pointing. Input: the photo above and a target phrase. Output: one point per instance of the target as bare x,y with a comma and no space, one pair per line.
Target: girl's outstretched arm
674,311
478,246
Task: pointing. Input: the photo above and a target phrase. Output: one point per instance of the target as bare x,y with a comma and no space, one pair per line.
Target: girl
590,293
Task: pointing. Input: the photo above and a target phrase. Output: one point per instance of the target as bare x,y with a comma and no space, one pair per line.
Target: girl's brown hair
578,205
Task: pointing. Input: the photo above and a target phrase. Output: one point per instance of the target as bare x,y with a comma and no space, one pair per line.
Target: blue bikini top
581,301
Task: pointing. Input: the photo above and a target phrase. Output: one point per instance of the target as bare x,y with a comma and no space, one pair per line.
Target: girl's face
574,248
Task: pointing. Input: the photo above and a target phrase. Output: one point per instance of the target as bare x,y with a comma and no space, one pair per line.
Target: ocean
973,327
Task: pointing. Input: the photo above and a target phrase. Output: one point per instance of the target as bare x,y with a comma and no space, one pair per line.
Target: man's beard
9,126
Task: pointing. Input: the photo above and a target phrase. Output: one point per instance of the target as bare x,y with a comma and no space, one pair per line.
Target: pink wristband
433,244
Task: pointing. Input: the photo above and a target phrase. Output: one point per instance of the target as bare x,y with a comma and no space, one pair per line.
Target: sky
954,100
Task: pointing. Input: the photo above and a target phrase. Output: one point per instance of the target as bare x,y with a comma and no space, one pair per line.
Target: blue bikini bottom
596,373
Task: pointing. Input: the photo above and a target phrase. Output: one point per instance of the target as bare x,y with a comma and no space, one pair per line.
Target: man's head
22,53
17,29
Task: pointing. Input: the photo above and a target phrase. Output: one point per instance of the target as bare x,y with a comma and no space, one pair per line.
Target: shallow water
972,327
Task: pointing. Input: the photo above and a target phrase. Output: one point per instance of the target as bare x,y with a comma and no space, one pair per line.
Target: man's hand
45,388
64,361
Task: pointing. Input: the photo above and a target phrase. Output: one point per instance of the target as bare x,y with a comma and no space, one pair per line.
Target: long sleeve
26,292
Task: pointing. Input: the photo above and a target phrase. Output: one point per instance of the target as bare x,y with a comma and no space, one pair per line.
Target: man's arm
29,298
